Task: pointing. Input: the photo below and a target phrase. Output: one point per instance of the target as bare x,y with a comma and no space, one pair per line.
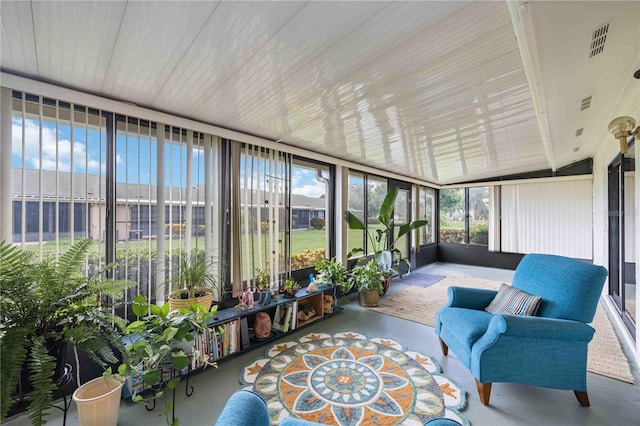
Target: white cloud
32,148
304,182
314,190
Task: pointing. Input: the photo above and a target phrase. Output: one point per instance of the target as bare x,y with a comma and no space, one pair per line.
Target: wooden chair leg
583,398
484,391
444,347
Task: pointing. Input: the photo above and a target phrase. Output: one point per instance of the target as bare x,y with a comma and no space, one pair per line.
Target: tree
376,191
451,200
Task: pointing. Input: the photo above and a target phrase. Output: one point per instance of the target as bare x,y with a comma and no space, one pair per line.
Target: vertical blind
261,215
552,217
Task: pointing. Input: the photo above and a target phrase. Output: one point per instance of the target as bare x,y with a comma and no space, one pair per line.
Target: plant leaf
180,362
386,209
353,221
151,377
140,306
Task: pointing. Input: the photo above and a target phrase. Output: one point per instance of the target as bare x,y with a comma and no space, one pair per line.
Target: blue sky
135,162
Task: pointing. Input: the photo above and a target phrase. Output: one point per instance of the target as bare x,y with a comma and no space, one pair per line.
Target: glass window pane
56,153
479,216
355,204
426,202
136,227
452,217
401,216
376,191
309,202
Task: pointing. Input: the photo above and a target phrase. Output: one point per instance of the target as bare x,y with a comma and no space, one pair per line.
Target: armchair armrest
469,298
538,328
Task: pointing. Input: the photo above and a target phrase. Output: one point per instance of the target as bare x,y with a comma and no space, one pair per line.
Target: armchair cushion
510,300
468,325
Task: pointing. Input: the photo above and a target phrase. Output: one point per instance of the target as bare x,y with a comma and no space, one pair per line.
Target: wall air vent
598,39
576,149
585,103
579,132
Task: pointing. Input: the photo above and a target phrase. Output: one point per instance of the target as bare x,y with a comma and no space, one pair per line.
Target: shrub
317,223
307,258
451,235
479,234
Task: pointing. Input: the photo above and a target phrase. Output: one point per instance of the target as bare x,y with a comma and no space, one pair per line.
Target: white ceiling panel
569,74
74,41
18,41
431,90
151,42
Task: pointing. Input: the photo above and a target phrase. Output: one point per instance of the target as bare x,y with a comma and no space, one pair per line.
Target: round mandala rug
349,379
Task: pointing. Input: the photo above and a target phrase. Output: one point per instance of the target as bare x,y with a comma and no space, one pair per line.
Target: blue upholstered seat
246,408
547,350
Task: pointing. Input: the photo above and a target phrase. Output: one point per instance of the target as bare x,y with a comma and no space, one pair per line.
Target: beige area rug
419,304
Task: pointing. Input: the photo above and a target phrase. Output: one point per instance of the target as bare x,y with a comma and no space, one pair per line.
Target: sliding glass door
622,242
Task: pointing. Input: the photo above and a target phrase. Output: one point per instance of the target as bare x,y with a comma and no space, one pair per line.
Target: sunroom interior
246,129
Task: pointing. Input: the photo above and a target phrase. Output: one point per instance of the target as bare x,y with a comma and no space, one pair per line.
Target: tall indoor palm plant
387,256
45,304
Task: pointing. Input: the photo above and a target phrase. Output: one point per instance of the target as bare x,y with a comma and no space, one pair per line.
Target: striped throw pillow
510,300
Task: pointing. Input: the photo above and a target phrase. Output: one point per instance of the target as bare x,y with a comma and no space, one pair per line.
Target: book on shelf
288,310
294,315
244,333
279,318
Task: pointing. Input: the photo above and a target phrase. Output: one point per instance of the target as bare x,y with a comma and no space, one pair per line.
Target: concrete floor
612,402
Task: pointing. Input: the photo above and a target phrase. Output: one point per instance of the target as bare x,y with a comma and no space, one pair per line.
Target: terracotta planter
176,302
369,298
385,285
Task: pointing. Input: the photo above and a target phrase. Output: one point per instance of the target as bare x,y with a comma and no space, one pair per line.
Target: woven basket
175,302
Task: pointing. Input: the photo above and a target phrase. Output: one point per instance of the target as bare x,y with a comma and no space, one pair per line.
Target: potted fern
45,304
195,280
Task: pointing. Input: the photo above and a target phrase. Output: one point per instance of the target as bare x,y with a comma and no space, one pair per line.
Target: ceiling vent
585,103
598,39
579,132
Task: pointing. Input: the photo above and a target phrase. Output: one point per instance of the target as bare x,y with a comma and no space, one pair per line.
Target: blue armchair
547,350
246,408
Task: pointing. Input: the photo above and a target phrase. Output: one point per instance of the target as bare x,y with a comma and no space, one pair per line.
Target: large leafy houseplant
161,339
381,239
45,304
333,273
367,278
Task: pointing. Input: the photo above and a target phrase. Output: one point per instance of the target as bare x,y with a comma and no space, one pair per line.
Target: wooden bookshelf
229,331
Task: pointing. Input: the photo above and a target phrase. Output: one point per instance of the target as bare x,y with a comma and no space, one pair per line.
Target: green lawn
301,240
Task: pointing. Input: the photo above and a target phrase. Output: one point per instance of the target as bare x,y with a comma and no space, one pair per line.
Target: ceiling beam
520,14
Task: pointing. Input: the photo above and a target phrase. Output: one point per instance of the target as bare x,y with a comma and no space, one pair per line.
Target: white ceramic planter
98,401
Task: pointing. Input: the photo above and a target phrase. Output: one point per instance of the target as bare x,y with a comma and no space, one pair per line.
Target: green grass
301,240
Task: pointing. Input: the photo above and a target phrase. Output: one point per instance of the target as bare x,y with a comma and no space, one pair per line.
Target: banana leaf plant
381,239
